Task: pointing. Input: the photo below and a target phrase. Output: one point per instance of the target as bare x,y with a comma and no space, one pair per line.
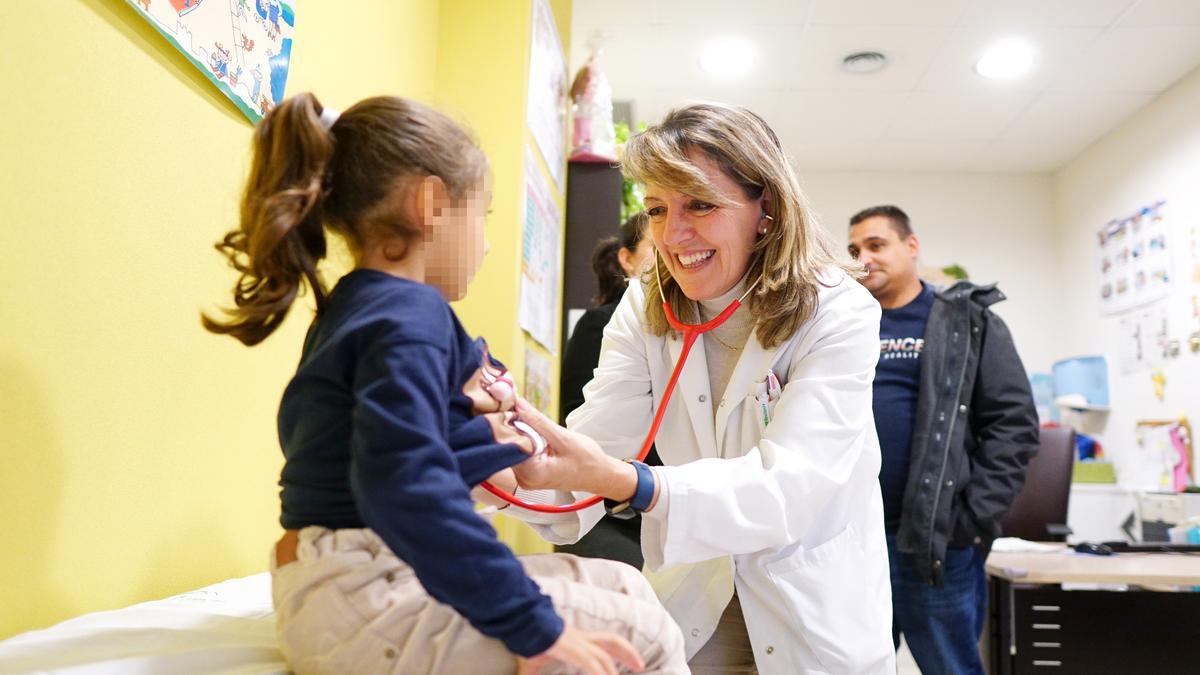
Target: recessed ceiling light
728,57
864,63
1006,60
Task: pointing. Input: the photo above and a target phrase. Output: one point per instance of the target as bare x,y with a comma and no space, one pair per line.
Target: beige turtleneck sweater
723,345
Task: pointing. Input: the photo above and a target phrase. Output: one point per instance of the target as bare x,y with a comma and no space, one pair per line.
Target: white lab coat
790,515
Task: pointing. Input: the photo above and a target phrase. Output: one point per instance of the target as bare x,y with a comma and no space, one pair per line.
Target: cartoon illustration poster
1135,260
546,108
541,259
243,46
537,379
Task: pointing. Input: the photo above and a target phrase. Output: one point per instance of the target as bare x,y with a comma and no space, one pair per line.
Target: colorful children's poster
540,259
243,46
537,379
1135,260
547,101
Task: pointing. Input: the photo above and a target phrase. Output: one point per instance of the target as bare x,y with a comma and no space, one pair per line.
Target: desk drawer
1090,632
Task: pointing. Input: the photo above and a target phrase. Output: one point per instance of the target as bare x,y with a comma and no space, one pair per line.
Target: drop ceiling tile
763,102
1149,13
1011,156
809,150
954,67
1073,116
1133,60
895,154
955,116
669,57
842,114
1044,13
888,12
910,53
927,110
592,13
726,13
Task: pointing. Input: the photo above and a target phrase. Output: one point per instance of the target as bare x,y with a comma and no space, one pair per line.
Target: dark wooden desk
1038,627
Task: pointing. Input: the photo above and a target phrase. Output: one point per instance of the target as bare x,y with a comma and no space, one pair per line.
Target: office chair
1039,513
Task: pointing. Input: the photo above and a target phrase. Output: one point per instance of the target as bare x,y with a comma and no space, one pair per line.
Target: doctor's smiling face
706,247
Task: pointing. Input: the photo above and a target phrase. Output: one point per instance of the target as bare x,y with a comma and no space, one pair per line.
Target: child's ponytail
280,238
299,185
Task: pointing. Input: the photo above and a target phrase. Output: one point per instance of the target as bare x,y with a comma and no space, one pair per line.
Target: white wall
1155,155
999,227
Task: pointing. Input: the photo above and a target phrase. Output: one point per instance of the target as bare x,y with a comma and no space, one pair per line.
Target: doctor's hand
506,429
593,653
571,461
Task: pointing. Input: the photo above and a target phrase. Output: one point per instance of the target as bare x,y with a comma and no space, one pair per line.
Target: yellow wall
138,453
493,106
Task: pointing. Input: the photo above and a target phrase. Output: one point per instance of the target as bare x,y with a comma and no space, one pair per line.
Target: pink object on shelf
1182,473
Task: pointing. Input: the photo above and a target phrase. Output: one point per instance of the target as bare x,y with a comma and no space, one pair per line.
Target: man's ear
914,245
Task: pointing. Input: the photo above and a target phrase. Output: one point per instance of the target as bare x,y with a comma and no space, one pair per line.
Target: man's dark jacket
974,432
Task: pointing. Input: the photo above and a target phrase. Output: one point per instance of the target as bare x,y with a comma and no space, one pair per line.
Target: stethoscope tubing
690,334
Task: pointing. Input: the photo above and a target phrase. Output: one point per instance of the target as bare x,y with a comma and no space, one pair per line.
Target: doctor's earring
762,229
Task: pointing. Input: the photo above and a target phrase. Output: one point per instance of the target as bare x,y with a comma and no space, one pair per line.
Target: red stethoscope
690,333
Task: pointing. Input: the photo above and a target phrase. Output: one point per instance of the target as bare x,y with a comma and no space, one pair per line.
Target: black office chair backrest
1043,500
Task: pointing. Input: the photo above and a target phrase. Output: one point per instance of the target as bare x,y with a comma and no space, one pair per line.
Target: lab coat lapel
752,366
693,384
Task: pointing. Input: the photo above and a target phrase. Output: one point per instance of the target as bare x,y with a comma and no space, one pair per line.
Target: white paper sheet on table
228,627
1018,545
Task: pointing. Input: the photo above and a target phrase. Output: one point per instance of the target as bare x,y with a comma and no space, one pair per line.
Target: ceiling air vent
863,63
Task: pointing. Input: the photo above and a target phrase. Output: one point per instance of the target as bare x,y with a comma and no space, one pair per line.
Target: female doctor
763,531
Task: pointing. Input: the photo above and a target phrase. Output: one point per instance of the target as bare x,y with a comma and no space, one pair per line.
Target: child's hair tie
329,116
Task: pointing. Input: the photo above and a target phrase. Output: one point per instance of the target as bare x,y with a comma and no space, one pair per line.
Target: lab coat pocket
761,409
840,596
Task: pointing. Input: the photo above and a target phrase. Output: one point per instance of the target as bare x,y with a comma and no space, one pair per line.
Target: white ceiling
1099,61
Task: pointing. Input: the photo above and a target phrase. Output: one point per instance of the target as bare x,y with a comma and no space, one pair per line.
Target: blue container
1086,375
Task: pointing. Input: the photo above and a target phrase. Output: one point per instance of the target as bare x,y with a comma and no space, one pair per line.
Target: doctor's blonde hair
793,253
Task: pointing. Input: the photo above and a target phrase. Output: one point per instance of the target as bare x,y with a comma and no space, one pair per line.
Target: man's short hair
897,217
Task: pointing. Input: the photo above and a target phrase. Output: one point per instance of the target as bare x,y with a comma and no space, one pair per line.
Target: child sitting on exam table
385,566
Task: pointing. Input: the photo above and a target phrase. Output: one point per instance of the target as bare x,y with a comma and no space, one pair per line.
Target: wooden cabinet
593,213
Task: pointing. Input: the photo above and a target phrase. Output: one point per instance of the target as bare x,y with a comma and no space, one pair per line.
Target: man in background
957,427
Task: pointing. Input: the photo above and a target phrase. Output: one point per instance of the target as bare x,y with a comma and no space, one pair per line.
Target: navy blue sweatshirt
897,380
377,433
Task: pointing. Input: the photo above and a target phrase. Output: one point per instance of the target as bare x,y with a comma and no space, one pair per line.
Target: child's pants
349,605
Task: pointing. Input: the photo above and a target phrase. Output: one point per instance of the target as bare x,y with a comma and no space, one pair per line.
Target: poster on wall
244,47
539,259
1135,260
1162,459
537,379
546,108
1144,339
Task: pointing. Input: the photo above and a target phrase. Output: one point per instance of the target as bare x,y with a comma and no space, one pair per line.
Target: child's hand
485,397
593,653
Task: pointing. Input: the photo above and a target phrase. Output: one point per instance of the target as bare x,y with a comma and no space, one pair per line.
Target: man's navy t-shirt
897,380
